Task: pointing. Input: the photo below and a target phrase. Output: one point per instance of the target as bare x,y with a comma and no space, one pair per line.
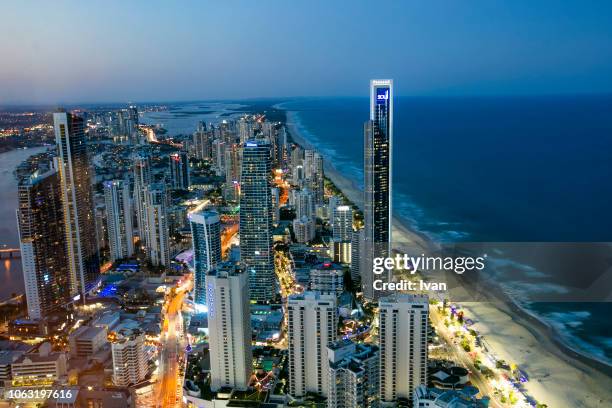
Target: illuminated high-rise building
311,326
119,219
256,220
158,241
229,327
142,178
342,222
40,219
75,176
378,139
403,326
179,170
206,239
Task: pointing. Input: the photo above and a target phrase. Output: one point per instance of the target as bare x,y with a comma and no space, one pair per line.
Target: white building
312,325
42,368
158,242
437,398
119,219
342,222
353,375
86,341
403,323
229,327
129,358
304,204
304,229
327,278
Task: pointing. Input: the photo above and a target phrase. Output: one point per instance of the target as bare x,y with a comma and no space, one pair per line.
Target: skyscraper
43,244
229,326
403,323
119,219
206,239
77,201
256,220
312,325
378,139
158,242
179,170
142,178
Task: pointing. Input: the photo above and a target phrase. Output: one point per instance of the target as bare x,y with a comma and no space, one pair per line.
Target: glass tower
77,199
256,220
206,238
378,137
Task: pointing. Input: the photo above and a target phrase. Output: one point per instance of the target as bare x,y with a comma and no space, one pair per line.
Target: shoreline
579,367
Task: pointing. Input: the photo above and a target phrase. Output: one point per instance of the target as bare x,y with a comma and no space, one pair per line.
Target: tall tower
342,222
43,244
378,139
312,325
403,322
158,242
119,219
229,326
77,201
179,170
142,178
206,239
256,220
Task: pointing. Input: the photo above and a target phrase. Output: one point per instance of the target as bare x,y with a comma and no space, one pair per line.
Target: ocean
511,169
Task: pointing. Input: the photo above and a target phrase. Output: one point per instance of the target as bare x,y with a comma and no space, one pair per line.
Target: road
170,381
463,358
227,235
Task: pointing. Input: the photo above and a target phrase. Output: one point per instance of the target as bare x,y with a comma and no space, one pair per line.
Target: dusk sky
58,52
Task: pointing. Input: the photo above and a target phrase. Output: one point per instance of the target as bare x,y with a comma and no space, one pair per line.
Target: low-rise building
86,341
327,277
43,367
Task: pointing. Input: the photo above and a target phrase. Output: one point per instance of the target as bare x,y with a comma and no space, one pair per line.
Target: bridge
10,253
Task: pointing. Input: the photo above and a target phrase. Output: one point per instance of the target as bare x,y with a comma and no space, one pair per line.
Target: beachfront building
312,325
206,241
256,220
403,325
42,240
378,138
439,398
119,219
353,375
229,327
75,176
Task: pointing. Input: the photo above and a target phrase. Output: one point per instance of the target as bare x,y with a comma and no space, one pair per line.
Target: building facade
42,238
312,325
229,326
119,219
378,138
403,326
75,176
256,220
206,241
158,241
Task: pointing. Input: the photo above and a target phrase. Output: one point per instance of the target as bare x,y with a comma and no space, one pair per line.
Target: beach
558,377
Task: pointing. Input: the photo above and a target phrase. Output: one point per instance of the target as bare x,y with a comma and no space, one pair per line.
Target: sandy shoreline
559,376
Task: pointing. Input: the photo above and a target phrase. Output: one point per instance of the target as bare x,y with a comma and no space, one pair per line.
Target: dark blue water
491,169
486,169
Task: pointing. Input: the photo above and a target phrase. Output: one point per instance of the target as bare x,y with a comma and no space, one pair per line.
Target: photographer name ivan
406,285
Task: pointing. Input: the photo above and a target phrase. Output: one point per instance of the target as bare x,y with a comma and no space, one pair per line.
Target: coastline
560,376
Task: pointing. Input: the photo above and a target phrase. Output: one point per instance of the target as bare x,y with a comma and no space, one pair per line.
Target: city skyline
446,49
